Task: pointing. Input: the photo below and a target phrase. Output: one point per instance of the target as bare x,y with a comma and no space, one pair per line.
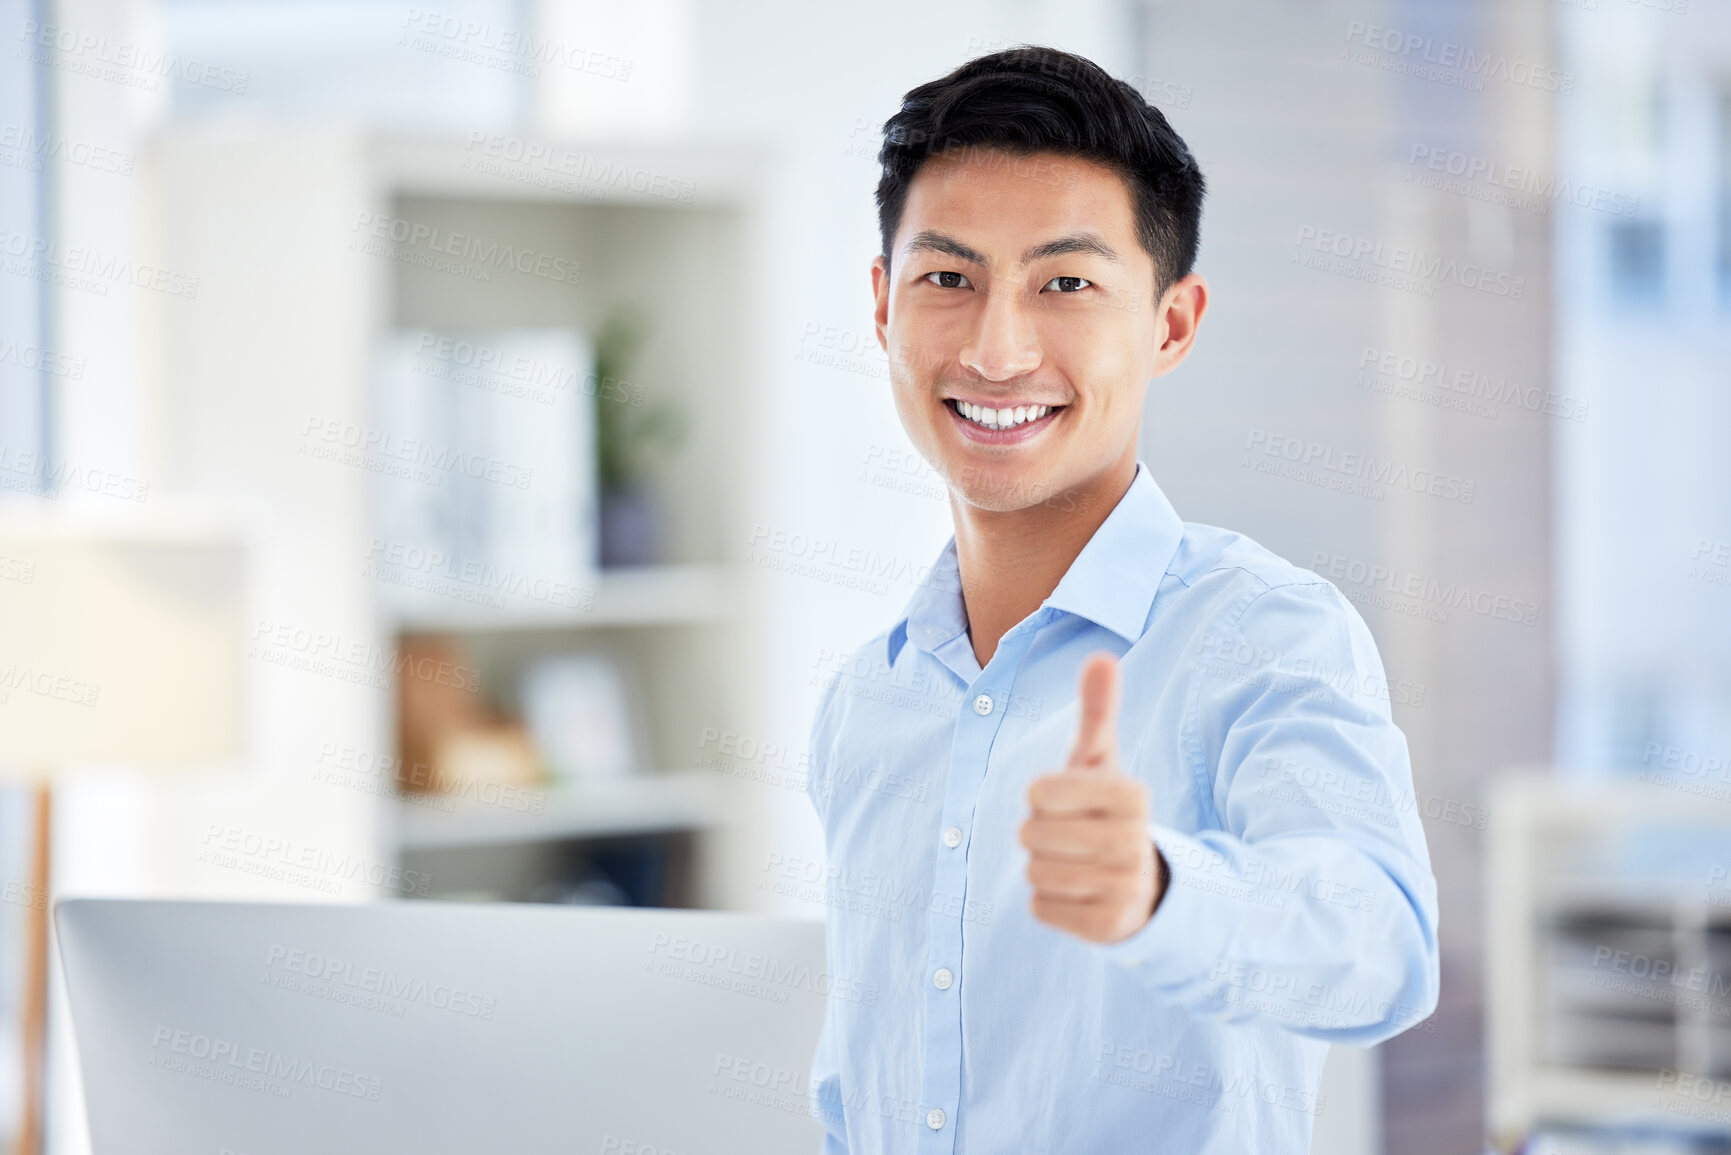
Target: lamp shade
122,639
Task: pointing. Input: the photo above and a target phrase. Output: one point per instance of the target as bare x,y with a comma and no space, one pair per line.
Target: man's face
1020,324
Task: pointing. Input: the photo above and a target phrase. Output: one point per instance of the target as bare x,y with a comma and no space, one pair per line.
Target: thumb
1097,726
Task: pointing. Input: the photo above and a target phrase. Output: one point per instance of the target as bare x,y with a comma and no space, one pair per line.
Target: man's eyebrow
936,242
939,243
1074,243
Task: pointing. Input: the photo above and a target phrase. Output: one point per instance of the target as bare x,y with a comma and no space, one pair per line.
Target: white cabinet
1610,957
313,249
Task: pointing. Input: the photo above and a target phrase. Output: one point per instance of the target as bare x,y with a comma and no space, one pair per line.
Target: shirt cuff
1189,933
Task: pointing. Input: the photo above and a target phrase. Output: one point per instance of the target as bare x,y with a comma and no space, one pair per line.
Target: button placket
977,727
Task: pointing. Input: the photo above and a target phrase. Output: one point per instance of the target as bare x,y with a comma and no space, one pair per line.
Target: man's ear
881,293
1181,310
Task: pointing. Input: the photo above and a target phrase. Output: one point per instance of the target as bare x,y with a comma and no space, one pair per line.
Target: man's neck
1011,561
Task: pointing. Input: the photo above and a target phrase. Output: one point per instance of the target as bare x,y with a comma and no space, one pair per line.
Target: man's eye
948,280
1068,284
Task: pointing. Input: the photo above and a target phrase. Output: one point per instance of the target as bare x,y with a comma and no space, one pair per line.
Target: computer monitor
426,1027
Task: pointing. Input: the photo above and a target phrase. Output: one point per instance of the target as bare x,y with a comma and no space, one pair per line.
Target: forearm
1306,931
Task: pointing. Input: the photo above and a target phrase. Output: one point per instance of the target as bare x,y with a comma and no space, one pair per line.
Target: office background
434,310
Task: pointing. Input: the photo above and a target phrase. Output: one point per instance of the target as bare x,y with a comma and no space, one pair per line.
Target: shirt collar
1112,582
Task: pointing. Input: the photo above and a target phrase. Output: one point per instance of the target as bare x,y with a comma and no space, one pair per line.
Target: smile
987,419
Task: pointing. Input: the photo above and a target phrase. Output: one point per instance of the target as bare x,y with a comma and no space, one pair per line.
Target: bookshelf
1610,999
290,343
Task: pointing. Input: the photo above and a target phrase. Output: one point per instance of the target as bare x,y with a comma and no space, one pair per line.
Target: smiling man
1162,848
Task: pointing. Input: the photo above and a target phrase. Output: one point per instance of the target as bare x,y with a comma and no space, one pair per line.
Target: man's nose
1004,346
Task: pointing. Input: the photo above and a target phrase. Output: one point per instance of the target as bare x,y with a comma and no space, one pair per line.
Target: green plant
630,432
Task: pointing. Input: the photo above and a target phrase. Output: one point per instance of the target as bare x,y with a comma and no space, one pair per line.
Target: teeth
1002,418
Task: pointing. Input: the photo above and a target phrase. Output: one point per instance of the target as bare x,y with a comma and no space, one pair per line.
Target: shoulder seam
1269,587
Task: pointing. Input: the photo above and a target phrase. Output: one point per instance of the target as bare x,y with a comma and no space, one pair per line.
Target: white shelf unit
673,627
302,309
658,595
655,803
1609,1000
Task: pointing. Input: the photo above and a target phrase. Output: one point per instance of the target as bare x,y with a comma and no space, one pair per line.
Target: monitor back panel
279,1029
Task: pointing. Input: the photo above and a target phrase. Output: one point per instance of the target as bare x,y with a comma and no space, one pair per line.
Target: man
1118,820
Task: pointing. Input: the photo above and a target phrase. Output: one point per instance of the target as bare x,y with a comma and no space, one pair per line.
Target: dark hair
1029,99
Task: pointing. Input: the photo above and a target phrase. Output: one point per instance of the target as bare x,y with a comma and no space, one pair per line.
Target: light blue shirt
1301,908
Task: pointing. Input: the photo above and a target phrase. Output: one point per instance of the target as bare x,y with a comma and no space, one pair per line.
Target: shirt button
935,1118
943,979
983,705
953,836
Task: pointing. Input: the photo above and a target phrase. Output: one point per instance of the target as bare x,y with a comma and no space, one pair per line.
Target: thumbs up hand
1094,870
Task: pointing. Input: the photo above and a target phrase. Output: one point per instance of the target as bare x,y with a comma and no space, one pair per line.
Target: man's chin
1002,490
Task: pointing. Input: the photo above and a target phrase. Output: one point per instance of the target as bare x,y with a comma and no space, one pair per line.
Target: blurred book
483,449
